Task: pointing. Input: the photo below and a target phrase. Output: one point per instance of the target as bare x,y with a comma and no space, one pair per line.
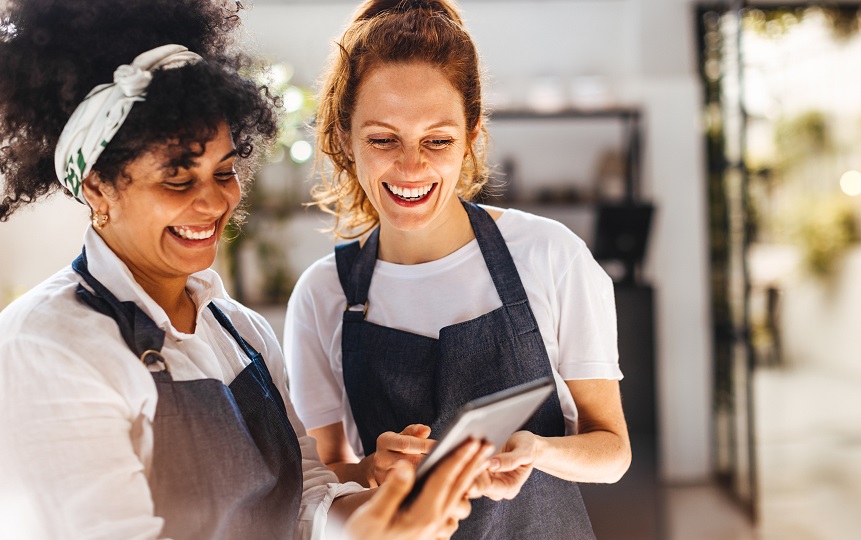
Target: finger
480,486
417,430
444,479
387,460
448,529
498,488
382,469
404,444
461,510
508,461
476,465
387,500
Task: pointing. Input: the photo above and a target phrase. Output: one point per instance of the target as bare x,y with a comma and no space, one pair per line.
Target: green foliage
798,138
772,22
299,104
776,22
268,206
825,229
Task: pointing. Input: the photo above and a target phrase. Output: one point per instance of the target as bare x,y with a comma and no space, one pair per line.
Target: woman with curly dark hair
136,401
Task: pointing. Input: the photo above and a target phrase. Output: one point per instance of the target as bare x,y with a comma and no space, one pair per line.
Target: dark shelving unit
633,507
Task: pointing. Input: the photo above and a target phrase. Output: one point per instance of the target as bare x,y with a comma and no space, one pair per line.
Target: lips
188,232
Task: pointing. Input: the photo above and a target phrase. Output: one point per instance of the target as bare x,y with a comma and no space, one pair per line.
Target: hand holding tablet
492,418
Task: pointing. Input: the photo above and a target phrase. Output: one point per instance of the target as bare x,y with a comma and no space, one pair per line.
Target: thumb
507,461
417,430
387,500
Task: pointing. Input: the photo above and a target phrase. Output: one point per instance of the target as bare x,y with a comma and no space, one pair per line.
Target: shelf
625,113
632,139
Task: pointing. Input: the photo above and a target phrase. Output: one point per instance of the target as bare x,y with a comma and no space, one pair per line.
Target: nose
212,199
412,162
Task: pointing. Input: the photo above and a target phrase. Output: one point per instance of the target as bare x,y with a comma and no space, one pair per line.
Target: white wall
37,241
644,51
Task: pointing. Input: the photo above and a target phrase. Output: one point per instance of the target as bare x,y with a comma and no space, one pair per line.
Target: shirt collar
105,266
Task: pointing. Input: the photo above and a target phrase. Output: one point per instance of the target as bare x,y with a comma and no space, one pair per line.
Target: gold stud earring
100,220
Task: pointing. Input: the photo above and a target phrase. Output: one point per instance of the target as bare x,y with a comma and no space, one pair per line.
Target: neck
428,244
166,290
171,296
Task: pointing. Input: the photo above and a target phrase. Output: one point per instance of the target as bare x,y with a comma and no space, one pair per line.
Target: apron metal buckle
151,357
359,307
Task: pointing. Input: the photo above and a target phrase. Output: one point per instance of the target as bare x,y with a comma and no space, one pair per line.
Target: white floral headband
98,118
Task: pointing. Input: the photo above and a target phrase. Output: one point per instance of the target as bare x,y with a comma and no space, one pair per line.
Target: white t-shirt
570,295
77,406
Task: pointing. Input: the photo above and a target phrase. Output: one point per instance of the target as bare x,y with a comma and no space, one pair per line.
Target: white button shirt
77,406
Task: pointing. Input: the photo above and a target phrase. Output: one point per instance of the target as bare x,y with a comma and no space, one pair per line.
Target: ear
473,136
476,131
344,140
96,193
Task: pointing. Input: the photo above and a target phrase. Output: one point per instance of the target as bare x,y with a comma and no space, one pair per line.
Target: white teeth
188,234
410,193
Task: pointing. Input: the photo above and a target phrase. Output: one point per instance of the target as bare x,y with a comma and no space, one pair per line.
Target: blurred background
710,155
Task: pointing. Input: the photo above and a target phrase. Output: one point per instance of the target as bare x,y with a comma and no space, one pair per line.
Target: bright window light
850,183
300,151
293,99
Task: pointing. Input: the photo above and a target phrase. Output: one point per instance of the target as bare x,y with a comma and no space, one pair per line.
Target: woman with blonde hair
441,301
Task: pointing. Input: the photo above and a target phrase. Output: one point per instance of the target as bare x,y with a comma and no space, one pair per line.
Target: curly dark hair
53,52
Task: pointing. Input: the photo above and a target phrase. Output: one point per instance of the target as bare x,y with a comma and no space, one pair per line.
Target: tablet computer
492,418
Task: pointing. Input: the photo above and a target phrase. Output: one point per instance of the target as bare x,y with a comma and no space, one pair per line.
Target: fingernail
494,464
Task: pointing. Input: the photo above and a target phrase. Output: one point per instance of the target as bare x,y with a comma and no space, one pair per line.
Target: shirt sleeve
320,486
66,439
587,321
316,392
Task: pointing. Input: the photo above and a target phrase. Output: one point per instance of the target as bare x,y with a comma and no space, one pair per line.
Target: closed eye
439,144
179,185
384,143
226,175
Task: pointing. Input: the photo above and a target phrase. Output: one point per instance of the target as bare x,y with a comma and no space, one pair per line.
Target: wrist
540,446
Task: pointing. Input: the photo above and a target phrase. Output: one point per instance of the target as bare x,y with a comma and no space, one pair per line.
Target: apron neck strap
141,334
224,321
356,267
496,255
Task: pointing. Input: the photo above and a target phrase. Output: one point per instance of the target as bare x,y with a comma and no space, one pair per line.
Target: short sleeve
587,335
316,393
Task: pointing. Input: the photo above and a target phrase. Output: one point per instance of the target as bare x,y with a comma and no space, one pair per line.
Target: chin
409,223
197,265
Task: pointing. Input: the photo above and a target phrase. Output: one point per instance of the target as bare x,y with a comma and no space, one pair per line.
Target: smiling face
408,139
166,223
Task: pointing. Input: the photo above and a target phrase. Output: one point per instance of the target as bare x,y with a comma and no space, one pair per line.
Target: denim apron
226,461
395,378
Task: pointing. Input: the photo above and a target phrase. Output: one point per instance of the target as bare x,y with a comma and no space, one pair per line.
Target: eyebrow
443,123
170,169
